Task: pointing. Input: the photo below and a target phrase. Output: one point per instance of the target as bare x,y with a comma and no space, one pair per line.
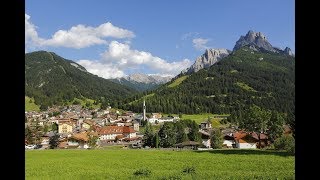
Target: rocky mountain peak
252,38
210,57
288,51
144,78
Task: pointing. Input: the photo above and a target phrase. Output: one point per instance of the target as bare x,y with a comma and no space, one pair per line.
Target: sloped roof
111,130
83,136
127,129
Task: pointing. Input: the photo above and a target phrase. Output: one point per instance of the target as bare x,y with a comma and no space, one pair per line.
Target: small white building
153,120
244,140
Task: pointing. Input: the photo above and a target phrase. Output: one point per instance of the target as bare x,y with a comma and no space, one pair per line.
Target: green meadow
158,164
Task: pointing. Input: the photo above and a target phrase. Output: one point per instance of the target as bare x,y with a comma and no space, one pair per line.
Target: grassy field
30,105
198,118
158,164
178,81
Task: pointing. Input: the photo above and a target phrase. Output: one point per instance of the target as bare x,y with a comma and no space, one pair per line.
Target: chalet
153,120
129,114
166,119
80,140
205,125
114,133
135,125
65,127
188,145
156,115
244,140
87,124
45,142
205,138
228,141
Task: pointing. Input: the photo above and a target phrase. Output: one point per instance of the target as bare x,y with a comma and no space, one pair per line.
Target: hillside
243,78
51,79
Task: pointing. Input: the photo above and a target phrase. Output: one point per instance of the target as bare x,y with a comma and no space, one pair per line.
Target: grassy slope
121,164
178,81
198,118
83,102
30,106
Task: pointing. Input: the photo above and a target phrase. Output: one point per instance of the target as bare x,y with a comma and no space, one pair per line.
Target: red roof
239,135
127,129
242,136
116,130
111,130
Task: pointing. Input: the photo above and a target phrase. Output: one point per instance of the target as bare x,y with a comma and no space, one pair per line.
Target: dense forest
233,84
51,79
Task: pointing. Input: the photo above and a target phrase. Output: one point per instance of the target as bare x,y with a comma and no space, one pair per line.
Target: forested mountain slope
51,79
243,78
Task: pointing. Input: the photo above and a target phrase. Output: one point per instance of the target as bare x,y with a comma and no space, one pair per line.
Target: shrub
142,172
189,170
286,143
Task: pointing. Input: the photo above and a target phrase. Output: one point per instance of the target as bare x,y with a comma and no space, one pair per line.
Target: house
156,115
80,140
244,140
135,125
87,124
228,141
188,145
205,125
166,119
153,120
65,127
205,138
63,144
129,133
45,142
115,133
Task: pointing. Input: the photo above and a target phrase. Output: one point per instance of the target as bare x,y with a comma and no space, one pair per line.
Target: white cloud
120,57
189,35
200,43
124,57
106,71
31,36
79,36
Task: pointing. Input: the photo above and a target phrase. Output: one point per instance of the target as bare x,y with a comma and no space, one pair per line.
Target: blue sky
115,38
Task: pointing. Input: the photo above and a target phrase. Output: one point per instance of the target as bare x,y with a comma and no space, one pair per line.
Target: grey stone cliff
210,57
254,39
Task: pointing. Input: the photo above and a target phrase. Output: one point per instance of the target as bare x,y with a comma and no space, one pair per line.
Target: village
78,128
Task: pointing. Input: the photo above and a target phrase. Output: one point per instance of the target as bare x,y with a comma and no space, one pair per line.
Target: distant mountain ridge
51,79
142,82
256,41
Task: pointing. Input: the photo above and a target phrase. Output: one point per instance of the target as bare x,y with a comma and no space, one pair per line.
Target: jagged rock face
210,57
143,78
288,51
254,39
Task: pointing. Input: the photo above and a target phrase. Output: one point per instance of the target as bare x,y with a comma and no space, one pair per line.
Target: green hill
243,78
51,79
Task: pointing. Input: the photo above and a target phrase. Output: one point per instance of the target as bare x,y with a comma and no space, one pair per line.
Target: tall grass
124,164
